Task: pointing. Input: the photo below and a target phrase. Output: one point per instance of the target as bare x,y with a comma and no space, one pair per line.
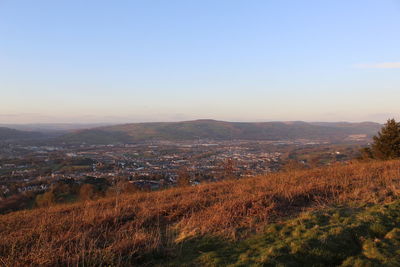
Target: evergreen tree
386,144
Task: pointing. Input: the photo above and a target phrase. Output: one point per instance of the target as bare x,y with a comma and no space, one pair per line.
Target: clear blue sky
127,61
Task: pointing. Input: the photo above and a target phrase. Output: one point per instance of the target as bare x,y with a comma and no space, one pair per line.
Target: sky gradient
131,61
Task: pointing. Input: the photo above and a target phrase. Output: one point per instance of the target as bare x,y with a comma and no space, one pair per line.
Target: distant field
237,222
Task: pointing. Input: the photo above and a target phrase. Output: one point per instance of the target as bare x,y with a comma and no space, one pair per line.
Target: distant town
153,165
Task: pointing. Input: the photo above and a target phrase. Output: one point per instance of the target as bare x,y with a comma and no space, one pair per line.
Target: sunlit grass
170,225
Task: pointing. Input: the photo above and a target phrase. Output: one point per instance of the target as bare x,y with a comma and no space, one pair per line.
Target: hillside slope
145,228
340,236
7,134
221,130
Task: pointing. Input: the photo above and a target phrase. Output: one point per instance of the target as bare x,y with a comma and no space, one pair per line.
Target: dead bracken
122,230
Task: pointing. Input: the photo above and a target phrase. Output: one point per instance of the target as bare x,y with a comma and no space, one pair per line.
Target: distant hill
220,130
7,134
53,127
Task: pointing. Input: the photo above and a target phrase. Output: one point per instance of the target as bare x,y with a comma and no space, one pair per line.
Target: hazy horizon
40,119
148,61
159,121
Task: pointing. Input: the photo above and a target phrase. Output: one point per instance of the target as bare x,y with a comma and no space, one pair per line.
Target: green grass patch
342,236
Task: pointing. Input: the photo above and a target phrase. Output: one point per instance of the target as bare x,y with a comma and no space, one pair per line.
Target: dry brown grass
120,230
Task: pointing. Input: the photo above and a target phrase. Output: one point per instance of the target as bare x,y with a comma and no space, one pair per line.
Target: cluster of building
149,164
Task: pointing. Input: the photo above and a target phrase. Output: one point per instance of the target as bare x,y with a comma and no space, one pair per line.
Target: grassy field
341,236
237,222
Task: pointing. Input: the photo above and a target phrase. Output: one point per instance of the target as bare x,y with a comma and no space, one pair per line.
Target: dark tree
386,144
183,177
87,191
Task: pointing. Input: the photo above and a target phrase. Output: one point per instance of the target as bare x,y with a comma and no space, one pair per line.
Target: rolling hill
53,127
7,134
220,130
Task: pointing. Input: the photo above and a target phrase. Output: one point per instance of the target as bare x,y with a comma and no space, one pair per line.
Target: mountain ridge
9,134
220,130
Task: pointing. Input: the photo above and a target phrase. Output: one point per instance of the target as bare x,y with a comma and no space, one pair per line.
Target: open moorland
232,222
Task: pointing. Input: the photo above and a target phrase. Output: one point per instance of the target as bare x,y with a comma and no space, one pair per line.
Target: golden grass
121,230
